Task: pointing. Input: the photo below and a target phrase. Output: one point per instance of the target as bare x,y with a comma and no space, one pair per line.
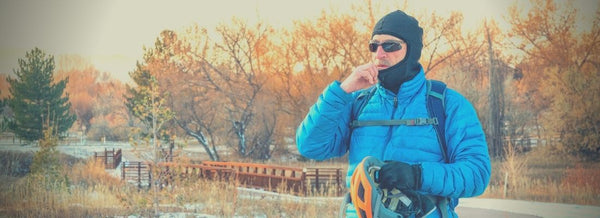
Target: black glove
422,205
400,175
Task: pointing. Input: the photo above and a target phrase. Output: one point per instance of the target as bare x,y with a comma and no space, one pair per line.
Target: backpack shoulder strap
436,107
362,99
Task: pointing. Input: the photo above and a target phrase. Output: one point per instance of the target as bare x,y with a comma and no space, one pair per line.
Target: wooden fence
110,158
139,173
325,180
266,177
299,181
170,170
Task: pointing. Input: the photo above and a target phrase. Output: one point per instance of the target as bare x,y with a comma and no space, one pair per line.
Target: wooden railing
139,173
110,159
325,180
170,170
299,181
267,177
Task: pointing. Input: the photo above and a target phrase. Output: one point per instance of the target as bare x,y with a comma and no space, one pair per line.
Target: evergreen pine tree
35,97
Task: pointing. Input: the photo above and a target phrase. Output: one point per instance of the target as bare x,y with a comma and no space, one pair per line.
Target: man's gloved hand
422,205
400,175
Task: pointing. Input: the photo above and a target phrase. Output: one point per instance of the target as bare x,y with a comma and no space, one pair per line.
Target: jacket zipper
390,129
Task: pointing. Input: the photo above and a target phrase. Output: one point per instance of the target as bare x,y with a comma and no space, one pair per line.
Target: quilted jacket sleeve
469,170
324,131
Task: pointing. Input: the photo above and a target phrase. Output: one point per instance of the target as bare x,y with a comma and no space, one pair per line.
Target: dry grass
85,192
15,164
542,176
90,191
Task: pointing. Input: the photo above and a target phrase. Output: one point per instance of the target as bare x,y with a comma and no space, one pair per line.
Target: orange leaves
95,97
560,77
4,85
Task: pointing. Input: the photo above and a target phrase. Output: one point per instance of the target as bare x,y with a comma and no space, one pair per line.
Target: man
412,153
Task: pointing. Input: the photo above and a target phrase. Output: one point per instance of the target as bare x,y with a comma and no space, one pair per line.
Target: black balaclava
404,27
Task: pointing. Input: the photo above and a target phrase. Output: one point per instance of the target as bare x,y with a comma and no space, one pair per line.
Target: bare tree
238,75
191,99
440,40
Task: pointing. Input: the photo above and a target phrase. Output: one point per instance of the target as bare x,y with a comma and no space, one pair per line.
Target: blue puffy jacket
325,133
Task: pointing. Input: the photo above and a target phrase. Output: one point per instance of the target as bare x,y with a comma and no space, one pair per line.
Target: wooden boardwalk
299,181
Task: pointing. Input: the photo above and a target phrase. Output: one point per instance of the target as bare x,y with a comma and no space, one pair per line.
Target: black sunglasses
388,46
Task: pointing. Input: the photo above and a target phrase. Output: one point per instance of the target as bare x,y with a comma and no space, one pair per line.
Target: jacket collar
407,90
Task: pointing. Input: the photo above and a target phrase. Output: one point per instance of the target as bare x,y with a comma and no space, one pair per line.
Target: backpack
436,108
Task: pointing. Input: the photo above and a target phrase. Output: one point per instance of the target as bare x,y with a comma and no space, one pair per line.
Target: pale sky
111,33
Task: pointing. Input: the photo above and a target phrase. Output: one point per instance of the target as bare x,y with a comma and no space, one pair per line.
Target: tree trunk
240,131
212,154
496,99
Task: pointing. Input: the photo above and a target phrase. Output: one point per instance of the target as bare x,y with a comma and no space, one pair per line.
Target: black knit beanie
404,27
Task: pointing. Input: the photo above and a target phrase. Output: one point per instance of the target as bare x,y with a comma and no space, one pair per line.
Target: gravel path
495,208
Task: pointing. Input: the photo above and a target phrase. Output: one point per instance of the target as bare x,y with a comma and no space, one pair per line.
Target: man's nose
380,53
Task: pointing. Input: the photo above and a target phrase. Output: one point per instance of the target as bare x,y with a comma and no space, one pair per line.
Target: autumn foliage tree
196,103
561,75
176,66
148,103
112,120
317,52
96,99
82,89
241,77
3,91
